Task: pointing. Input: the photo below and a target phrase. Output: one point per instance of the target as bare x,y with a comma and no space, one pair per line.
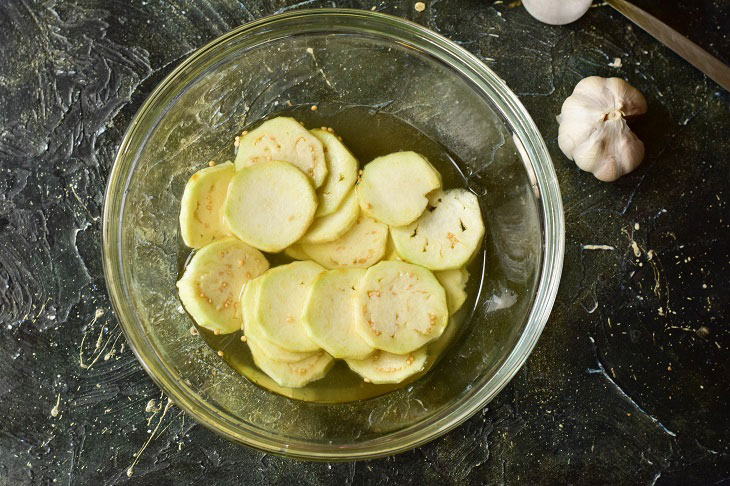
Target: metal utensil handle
691,52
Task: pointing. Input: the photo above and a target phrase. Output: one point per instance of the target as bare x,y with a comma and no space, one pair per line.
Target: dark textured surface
628,385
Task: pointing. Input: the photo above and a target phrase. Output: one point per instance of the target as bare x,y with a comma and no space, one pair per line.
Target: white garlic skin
593,130
557,12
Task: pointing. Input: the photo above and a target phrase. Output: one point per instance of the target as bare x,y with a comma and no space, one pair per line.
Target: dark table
629,384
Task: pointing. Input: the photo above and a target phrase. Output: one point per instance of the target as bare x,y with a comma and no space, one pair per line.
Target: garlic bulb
593,129
557,12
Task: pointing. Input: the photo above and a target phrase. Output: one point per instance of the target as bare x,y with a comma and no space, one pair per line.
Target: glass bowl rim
544,183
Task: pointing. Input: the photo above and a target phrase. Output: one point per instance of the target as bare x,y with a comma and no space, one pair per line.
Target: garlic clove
627,99
593,130
610,152
557,12
578,119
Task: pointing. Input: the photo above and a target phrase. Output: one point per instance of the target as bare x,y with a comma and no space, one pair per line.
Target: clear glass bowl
344,57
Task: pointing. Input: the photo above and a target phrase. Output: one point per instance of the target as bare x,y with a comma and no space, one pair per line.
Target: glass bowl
334,58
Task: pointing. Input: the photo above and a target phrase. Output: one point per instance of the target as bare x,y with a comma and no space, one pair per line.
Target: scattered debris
55,410
138,454
635,247
703,332
598,247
